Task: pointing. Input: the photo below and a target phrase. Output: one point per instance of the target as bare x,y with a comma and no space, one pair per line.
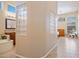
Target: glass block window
22,20
51,23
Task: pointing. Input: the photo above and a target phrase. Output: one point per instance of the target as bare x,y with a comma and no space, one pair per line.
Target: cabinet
12,36
61,33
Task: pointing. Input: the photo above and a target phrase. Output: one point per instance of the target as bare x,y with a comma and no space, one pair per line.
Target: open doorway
67,22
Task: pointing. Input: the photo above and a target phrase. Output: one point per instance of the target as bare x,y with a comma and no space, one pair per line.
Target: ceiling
62,6
67,6
20,2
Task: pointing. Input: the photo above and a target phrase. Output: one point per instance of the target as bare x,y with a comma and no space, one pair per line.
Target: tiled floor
66,48
8,54
52,54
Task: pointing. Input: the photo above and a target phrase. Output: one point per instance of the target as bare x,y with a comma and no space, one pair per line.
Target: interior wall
8,14
51,38
3,15
1,22
36,44
78,23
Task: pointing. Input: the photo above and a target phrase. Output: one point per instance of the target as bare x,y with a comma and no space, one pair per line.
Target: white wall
8,14
78,23
38,41
3,15
51,38
1,23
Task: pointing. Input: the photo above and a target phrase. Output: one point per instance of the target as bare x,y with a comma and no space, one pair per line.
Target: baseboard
20,56
50,51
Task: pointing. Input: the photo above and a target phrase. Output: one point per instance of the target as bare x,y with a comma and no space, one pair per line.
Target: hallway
66,48
39,29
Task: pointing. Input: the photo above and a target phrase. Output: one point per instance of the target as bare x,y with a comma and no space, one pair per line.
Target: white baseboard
50,51
20,56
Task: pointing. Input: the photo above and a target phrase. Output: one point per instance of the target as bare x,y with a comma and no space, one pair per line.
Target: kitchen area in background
68,25
67,19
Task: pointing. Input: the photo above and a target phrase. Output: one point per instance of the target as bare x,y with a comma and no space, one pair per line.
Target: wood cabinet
61,33
12,36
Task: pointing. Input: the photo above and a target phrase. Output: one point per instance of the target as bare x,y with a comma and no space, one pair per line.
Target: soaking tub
5,45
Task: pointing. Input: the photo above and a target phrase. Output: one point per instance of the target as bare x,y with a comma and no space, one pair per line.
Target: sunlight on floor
67,48
70,44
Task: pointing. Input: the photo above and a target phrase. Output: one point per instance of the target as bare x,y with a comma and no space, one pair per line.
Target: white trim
20,56
49,51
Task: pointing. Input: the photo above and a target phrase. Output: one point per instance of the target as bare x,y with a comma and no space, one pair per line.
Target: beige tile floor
52,54
8,54
66,48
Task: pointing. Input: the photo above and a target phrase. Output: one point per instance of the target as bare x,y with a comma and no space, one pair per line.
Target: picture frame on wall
10,24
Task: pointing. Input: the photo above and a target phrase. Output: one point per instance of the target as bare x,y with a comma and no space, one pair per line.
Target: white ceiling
19,2
67,6
62,6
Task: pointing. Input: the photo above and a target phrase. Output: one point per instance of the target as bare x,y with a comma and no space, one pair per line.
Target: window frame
12,6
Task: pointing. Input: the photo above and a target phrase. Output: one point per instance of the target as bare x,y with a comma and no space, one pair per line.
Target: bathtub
5,45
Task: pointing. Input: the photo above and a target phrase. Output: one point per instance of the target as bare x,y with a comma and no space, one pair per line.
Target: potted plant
3,36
